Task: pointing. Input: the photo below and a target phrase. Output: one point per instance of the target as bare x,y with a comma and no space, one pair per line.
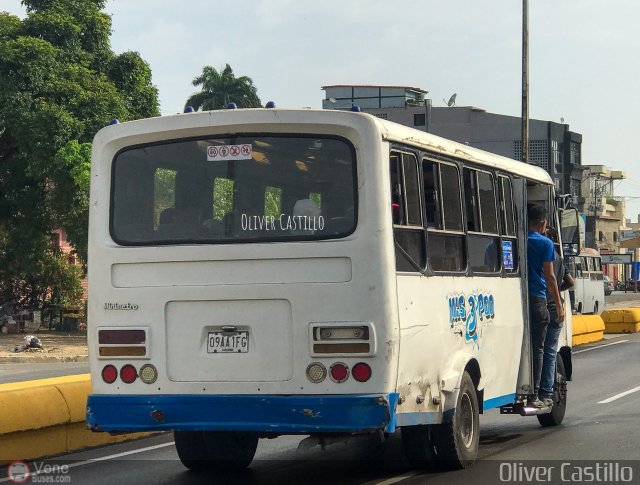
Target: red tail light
339,372
361,372
109,374
128,374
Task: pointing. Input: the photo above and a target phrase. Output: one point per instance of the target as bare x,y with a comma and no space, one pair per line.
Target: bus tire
555,417
418,444
215,450
192,450
230,450
456,442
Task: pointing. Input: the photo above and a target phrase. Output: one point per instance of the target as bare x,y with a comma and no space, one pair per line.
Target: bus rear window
234,189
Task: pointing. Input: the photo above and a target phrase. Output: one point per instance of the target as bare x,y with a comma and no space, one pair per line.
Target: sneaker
547,401
535,403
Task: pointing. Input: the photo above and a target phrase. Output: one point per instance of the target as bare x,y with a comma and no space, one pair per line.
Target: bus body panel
440,336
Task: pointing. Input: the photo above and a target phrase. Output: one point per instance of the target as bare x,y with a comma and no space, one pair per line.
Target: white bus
263,272
589,286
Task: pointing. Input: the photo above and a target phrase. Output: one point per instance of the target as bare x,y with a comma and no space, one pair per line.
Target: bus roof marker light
188,109
232,106
114,121
270,104
356,109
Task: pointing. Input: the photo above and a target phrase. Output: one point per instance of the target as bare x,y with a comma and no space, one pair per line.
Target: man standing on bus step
565,281
541,279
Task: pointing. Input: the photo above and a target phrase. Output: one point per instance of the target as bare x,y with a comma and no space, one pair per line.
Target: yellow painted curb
46,417
587,329
622,320
616,327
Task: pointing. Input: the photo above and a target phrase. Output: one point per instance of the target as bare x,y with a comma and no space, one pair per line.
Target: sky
582,52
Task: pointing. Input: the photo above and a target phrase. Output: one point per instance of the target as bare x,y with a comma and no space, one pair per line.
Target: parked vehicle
589,287
608,285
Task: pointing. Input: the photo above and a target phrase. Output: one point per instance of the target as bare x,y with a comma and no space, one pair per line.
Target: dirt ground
57,346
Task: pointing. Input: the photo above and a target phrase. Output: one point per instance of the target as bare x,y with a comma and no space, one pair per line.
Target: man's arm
567,282
552,288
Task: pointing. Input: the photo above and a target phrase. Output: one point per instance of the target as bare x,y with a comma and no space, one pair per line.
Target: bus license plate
225,342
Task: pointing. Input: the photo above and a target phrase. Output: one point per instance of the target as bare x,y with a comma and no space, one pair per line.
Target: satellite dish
452,100
332,100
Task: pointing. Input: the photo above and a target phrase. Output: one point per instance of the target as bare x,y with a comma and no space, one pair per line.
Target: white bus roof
390,131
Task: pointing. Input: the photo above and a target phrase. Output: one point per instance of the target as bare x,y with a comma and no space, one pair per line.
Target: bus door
525,373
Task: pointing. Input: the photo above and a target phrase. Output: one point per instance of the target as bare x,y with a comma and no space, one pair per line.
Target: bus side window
507,223
445,229
484,242
407,212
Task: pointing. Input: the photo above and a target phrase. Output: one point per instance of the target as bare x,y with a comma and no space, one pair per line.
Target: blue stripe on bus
271,413
496,402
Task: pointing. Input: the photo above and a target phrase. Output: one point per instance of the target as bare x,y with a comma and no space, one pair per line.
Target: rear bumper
278,414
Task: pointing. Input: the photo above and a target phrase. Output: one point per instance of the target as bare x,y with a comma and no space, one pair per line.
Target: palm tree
221,88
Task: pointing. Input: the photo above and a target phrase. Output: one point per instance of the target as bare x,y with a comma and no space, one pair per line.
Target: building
553,146
603,211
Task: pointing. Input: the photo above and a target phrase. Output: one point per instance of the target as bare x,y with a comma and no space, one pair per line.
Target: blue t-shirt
539,250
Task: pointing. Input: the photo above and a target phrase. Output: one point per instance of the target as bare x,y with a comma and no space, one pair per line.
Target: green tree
60,82
219,88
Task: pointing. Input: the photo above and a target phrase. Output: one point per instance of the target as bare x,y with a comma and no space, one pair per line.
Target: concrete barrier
587,329
46,417
622,320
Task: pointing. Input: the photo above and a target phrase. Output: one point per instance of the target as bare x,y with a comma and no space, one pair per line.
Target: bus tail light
339,372
316,372
148,374
109,374
361,372
128,374
122,343
342,339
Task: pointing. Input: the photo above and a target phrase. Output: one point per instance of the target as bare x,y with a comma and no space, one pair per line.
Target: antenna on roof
452,100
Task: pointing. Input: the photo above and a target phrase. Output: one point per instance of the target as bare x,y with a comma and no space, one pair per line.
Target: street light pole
525,81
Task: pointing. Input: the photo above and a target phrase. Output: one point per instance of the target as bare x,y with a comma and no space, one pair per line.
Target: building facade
552,146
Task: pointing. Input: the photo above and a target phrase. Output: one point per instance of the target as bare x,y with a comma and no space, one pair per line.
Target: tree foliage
60,82
219,88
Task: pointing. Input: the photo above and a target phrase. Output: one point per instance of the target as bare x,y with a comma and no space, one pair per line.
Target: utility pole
525,81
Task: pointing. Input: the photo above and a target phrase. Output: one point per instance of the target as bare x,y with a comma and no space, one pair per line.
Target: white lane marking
397,479
618,396
600,346
104,458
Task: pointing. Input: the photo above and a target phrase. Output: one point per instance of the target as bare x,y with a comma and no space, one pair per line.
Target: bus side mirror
570,230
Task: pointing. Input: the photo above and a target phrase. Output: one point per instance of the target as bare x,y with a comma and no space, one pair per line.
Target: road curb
622,320
46,417
587,329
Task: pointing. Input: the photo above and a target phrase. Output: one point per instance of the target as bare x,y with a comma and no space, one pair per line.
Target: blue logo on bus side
480,308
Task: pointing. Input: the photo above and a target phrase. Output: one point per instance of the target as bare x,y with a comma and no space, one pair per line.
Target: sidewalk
57,347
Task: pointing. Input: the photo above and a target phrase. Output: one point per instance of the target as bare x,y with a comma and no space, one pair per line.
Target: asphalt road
602,423
30,371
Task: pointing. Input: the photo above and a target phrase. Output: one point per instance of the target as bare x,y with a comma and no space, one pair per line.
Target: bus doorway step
523,410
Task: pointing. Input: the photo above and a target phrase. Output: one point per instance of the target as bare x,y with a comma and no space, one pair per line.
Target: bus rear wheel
447,446
215,450
456,442
555,417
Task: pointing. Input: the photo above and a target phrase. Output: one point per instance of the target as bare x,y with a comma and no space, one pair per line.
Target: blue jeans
538,323
548,377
